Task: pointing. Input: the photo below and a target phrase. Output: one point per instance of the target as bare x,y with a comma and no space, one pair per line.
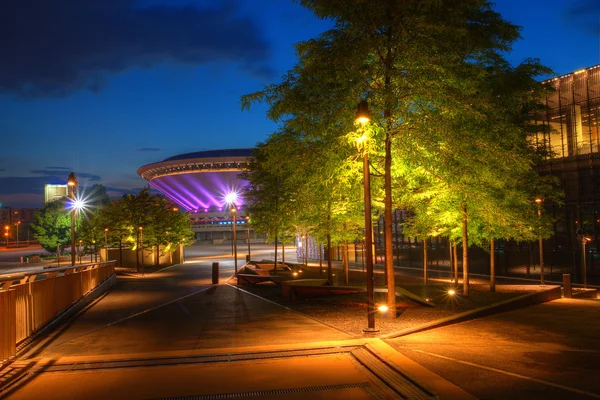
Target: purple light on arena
202,191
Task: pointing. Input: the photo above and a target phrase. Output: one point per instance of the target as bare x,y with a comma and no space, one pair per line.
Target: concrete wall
131,257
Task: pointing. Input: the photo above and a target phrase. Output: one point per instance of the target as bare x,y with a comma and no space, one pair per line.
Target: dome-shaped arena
206,185
204,181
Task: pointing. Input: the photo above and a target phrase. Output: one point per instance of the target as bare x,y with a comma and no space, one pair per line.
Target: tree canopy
449,122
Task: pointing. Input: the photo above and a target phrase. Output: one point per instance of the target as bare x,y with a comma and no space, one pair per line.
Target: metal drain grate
362,385
190,360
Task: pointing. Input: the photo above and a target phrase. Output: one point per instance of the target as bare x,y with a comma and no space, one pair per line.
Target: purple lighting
202,191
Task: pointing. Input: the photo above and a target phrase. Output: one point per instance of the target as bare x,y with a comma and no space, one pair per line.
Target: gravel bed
348,313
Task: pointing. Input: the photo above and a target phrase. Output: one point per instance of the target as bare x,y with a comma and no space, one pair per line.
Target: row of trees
448,137
115,223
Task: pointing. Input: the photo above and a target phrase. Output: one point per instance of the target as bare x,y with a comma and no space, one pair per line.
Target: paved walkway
173,335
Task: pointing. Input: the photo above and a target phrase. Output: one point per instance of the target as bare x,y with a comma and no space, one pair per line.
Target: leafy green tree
162,228
52,225
444,123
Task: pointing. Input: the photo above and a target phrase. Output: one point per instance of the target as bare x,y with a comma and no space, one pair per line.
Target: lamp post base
370,330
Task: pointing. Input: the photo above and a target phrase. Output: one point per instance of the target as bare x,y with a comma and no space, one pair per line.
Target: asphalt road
548,351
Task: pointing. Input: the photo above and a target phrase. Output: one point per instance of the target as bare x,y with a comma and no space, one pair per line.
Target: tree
429,70
163,229
52,226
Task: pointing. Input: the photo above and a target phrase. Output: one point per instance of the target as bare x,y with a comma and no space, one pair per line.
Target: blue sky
102,87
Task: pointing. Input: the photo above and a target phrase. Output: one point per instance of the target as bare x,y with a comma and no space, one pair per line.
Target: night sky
102,87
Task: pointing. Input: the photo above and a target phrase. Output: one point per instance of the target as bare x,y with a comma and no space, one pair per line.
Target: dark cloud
585,14
149,149
52,47
28,185
50,173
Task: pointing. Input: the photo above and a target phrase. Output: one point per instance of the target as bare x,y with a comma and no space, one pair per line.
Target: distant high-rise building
55,192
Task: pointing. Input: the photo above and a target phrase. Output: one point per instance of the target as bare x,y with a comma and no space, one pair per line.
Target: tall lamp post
363,116
6,228
233,213
248,234
72,183
17,224
584,240
539,201
105,244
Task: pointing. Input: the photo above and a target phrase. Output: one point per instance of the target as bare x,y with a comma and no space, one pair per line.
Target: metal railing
30,300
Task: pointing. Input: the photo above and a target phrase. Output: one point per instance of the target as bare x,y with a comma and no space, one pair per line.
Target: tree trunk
455,252
450,261
329,267
275,261
425,260
320,260
465,241
387,219
120,251
283,250
345,261
492,265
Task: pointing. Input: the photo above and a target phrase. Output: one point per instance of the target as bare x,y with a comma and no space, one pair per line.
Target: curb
529,299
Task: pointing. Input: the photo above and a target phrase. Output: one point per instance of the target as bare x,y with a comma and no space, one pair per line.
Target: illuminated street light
539,201
362,117
584,241
17,224
80,249
451,294
233,212
72,183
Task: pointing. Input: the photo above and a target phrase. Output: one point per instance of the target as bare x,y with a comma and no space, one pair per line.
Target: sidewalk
212,341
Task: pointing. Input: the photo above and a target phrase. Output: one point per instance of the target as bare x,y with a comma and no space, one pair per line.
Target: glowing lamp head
72,180
539,201
231,197
362,113
383,308
78,204
451,292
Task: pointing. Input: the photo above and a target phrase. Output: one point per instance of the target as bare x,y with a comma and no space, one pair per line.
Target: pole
368,245
541,251
18,222
235,263
72,183
583,263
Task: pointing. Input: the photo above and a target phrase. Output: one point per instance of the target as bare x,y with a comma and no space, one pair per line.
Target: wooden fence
29,301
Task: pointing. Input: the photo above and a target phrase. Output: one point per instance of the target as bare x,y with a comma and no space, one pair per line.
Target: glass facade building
572,114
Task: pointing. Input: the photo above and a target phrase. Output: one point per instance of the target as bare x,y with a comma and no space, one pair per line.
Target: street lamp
584,240
72,183
233,212
80,249
6,228
248,227
539,201
17,224
362,117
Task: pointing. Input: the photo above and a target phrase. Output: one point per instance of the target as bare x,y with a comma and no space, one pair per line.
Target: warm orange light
539,200
362,113
451,292
382,308
105,229
140,228
233,209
